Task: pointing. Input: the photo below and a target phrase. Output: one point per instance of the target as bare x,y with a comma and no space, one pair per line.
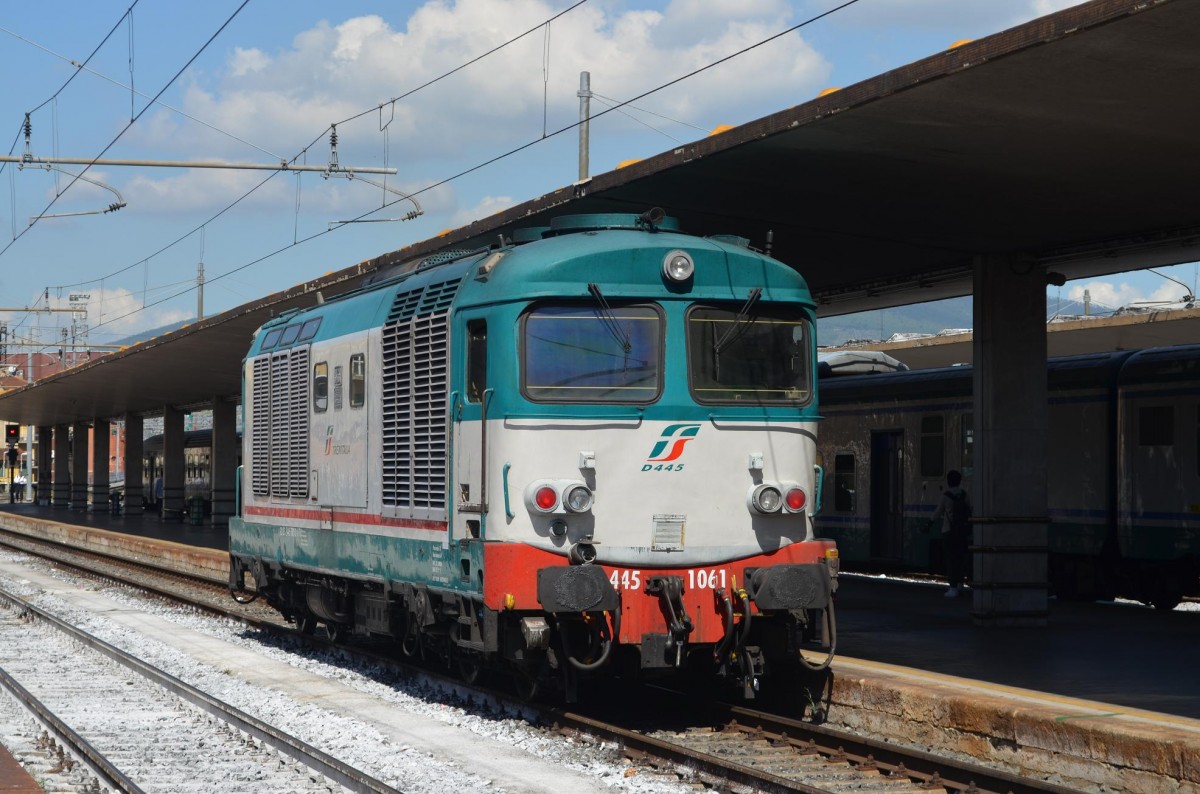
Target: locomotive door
470,440
887,494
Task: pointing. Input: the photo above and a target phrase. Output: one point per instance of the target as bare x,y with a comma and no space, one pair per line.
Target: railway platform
13,777
1105,693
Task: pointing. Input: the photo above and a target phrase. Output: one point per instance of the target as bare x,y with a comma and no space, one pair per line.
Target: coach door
887,494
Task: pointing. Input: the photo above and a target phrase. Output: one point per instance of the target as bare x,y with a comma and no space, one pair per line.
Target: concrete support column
134,450
79,465
62,466
172,464
224,460
44,456
101,442
1008,486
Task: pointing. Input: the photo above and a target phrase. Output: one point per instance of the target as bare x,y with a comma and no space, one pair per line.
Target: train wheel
526,683
470,668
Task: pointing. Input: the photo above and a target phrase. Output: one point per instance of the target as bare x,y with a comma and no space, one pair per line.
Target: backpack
960,512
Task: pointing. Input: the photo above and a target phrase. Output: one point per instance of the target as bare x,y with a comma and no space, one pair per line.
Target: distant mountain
923,318
930,318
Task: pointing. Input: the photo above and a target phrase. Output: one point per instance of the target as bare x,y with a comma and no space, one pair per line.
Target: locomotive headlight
678,266
766,498
558,497
578,499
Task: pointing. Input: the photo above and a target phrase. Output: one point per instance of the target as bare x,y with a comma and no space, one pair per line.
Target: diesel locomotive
587,451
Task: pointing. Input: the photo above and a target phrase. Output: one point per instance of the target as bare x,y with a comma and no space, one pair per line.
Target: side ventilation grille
415,384
279,434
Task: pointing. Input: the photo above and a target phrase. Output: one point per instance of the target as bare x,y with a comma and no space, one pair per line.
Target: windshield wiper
735,330
610,322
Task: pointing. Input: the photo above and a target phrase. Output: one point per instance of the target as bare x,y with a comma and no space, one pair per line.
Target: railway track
725,747
145,733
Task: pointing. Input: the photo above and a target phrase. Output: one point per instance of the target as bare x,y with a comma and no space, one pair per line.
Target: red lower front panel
510,582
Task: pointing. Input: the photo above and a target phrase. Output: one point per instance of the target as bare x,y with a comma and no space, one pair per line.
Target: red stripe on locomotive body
510,569
342,517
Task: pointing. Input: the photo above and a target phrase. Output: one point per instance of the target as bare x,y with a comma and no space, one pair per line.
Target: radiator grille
260,430
415,371
279,435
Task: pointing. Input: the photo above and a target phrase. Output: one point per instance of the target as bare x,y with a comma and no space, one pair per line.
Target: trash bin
196,510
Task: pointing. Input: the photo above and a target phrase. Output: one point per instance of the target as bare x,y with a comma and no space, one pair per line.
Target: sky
256,81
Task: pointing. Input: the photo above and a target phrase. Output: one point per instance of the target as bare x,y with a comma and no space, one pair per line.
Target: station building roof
1068,141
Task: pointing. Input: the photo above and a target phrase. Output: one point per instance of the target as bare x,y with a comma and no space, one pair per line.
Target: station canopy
1068,142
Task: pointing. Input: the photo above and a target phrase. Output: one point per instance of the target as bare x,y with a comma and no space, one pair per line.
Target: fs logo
670,447
329,440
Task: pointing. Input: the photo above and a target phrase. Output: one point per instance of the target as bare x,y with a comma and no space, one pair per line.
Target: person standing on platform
954,511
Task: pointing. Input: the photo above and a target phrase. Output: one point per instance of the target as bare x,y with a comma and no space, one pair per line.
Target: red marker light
795,499
545,498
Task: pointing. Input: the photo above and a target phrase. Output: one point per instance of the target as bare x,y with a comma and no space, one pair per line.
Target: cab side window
476,360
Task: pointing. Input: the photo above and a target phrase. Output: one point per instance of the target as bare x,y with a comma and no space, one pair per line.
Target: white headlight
578,499
678,266
766,499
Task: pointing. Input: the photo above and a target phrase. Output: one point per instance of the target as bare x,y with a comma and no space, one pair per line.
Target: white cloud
490,205
281,100
245,61
1122,293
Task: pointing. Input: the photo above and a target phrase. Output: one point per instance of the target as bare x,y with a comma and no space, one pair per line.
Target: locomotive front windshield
755,354
592,354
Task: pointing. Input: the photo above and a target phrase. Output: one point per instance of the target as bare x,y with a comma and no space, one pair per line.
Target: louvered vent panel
429,411
298,442
260,432
281,381
438,297
397,416
415,383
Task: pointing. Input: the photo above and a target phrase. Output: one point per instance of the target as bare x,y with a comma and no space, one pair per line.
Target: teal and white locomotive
593,452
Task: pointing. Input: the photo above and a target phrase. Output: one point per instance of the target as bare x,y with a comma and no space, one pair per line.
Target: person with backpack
954,511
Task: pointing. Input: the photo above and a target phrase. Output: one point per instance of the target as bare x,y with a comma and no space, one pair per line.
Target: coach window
750,354
320,387
1156,426
358,380
593,353
843,483
476,360
933,445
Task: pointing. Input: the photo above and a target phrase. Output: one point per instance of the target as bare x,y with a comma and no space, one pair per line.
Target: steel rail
317,760
105,772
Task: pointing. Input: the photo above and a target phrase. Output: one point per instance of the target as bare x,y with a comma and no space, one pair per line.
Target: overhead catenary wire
142,94
132,121
510,152
67,82
304,151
